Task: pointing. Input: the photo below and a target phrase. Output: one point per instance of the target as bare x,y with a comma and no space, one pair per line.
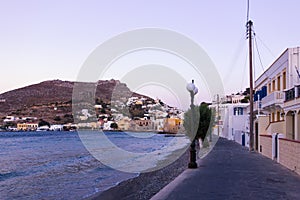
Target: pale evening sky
44,40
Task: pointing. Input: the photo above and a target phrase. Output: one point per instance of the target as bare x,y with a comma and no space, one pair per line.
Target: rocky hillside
52,100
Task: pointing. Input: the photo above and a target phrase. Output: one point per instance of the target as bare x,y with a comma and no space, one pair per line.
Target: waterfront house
141,125
56,127
27,126
158,124
124,124
277,105
172,125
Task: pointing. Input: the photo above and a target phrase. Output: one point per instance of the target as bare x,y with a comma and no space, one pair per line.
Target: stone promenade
230,171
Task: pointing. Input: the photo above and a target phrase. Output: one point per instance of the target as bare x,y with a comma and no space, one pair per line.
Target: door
256,136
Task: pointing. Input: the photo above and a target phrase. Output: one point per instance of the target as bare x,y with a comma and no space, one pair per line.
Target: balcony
290,94
292,97
275,99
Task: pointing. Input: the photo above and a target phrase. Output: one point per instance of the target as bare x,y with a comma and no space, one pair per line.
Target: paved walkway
230,171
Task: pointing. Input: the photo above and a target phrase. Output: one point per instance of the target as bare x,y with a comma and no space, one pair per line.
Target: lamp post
193,91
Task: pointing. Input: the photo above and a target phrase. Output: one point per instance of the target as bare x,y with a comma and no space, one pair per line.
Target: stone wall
289,154
265,147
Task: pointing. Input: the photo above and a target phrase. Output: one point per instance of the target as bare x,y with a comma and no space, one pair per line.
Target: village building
172,125
142,124
232,119
277,105
124,124
27,126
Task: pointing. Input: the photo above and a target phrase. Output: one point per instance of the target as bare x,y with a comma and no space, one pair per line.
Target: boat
43,128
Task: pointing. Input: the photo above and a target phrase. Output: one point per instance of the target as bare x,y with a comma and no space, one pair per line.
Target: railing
290,94
276,97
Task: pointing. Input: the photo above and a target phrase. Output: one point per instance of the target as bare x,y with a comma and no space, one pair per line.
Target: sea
59,165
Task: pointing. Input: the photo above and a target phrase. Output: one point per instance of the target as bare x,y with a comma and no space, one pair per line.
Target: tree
57,118
68,118
103,111
10,124
136,111
203,121
188,123
43,123
114,126
245,99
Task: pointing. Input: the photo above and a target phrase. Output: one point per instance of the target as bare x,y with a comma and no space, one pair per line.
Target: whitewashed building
232,121
277,97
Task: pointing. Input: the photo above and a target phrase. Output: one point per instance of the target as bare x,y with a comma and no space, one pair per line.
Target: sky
45,40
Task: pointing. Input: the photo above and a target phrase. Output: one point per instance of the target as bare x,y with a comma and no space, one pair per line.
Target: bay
56,165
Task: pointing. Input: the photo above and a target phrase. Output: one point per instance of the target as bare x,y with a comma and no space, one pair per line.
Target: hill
52,100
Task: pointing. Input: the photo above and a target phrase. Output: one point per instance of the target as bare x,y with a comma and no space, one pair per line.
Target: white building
9,119
277,127
107,126
56,127
233,122
278,96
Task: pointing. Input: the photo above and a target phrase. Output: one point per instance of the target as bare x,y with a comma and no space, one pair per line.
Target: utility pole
249,28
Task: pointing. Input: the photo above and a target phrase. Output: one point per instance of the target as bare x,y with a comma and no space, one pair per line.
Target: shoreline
145,185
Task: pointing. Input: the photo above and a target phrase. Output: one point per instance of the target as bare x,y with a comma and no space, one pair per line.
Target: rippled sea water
56,165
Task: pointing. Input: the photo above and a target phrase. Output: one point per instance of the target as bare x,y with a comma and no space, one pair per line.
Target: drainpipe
258,104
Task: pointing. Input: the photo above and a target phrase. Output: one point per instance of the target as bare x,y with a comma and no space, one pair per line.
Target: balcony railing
276,98
290,94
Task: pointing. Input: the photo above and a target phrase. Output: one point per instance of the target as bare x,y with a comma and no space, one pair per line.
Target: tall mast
249,27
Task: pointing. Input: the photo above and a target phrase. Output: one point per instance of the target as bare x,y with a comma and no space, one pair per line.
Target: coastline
146,185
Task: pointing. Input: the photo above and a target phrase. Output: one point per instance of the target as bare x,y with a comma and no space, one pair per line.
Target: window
238,111
284,80
273,117
278,83
273,85
269,86
278,116
290,94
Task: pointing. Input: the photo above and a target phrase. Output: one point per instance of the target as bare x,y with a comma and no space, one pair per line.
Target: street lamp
193,91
